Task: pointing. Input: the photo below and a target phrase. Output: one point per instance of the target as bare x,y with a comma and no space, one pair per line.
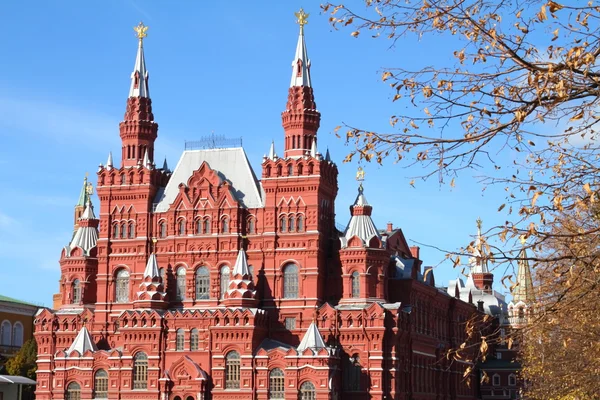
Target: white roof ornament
313,148
361,225
312,339
83,342
272,151
86,235
301,63
241,265
152,270
146,161
139,76
109,162
478,261
88,212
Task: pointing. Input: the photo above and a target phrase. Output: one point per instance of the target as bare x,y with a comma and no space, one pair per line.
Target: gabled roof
83,342
312,339
230,164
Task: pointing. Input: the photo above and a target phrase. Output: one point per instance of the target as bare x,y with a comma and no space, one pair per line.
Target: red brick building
214,282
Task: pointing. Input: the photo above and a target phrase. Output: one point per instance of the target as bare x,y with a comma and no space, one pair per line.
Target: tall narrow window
180,340
207,226
194,340
73,391
17,336
225,272
290,170
115,233
181,227
198,226
251,225
123,230
355,284
180,284
300,223
123,180
276,384
232,370
290,281
225,225
140,371
163,276
101,384
122,286
283,223
162,229
76,292
5,333
202,283
292,224
131,230
307,391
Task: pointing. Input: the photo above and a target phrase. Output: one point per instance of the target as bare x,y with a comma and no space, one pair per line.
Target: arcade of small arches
201,226
290,223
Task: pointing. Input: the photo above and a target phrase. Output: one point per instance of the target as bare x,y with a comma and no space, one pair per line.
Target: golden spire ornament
360,174
140,31
301,18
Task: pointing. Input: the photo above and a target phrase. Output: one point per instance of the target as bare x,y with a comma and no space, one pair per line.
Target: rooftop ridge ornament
360,177
213,141
140,31
301,18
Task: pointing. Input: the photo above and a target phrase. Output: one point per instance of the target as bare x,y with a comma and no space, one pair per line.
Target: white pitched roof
272,151
302,79
140,67
83,342
86,237
109,162
152,267
312,339
241,264
231,164
361,226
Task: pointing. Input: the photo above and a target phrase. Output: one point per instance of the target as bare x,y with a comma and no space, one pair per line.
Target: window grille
123,230
290,282
122,286
355,284
131,230
292,224
276,384
290,323
73,391
300,223
225,276
202,283
115,234
307,391
283,224
140,371
101,384
198,226
207,226
232,370
180,295
180,340
76,291
194,340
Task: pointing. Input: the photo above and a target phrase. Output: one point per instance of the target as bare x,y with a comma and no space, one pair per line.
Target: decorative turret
523,297
83,342
312,339
81,203
152,293
86,235
361,227
482,277
301,119
138,129
241,291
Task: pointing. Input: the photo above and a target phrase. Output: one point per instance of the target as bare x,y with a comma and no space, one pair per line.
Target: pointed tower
152,292
482,277
241,291
300,119
138,129
81,203
520,308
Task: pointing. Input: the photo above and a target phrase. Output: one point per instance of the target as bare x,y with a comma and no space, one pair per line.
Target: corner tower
138,130
482,277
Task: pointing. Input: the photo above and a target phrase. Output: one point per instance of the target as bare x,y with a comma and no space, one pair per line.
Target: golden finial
360,174
523,239
140,31
154,240
479,223
89,189
302,18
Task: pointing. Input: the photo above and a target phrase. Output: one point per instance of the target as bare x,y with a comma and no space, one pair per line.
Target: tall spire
84,197
482,277
138,129
109,161
301,119
139,76
524,290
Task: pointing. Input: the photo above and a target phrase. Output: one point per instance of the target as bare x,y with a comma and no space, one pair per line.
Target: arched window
198,226
352,371
521,313
180,295
180,340
76,292
202,283
181,227
355,284
512,380
101,384
496,380
292,225
290,170
251,225
140,371
232,370
73,391
123,180
300,223
17,336
300,169
162,229
123,230
207,226
5,333
115,233
307,391
163,276
290,281
194,340
225,225
283,223
122,286
131,230
276,384
225,276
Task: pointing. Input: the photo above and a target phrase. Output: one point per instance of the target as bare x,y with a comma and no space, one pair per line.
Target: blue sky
214,67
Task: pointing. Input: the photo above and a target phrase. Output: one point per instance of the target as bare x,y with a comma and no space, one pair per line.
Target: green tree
24,362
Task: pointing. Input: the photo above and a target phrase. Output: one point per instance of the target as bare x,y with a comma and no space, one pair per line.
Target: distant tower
81,203
138,129
521,306
482,277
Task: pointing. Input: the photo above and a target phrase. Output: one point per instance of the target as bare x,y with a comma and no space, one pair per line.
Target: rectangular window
290,323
